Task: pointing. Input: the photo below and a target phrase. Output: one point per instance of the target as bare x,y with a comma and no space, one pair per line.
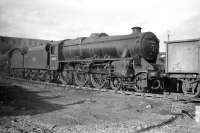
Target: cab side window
53,50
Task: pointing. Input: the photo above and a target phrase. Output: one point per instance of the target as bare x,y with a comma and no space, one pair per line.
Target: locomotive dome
96,35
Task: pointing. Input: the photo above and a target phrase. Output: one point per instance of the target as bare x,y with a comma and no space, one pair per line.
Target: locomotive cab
52,53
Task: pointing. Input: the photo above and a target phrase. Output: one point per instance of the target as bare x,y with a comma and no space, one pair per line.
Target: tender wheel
27,74
31,75
196,90
35,74
55,76
99,77
40,76
81,76
47,76
185,87
20,73
192,90
116,84
140,81
66,76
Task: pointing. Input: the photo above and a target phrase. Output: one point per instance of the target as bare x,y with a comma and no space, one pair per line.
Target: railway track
175,97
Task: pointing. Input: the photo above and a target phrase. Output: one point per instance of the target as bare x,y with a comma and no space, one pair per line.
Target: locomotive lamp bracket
153,74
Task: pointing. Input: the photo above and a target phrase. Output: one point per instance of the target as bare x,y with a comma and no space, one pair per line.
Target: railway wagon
183,64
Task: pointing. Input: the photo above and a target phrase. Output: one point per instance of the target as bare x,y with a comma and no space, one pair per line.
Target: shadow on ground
16,101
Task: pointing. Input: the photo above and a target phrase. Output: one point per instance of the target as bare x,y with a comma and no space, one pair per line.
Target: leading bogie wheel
140,81
196,90
191,90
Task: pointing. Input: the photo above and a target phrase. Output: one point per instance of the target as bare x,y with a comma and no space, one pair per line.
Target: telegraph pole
168,35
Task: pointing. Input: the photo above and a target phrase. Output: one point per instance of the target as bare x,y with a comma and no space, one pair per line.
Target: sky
62,19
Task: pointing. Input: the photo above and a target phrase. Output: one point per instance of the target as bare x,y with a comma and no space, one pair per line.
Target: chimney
136,30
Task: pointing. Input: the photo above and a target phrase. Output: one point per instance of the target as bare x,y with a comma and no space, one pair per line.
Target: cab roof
184,40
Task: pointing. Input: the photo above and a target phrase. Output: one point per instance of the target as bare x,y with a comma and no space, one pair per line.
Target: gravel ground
39,109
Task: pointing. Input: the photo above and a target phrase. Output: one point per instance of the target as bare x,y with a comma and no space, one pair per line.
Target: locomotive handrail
101,41
180,41
110,59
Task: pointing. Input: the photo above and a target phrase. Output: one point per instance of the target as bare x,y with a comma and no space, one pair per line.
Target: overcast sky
61,19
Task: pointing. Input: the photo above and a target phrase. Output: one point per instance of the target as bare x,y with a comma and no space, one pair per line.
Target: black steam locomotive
101,61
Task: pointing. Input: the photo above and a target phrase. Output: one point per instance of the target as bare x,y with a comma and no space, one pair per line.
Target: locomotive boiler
101,46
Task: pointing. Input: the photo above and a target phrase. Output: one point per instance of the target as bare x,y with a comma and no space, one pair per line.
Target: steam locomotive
101,61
